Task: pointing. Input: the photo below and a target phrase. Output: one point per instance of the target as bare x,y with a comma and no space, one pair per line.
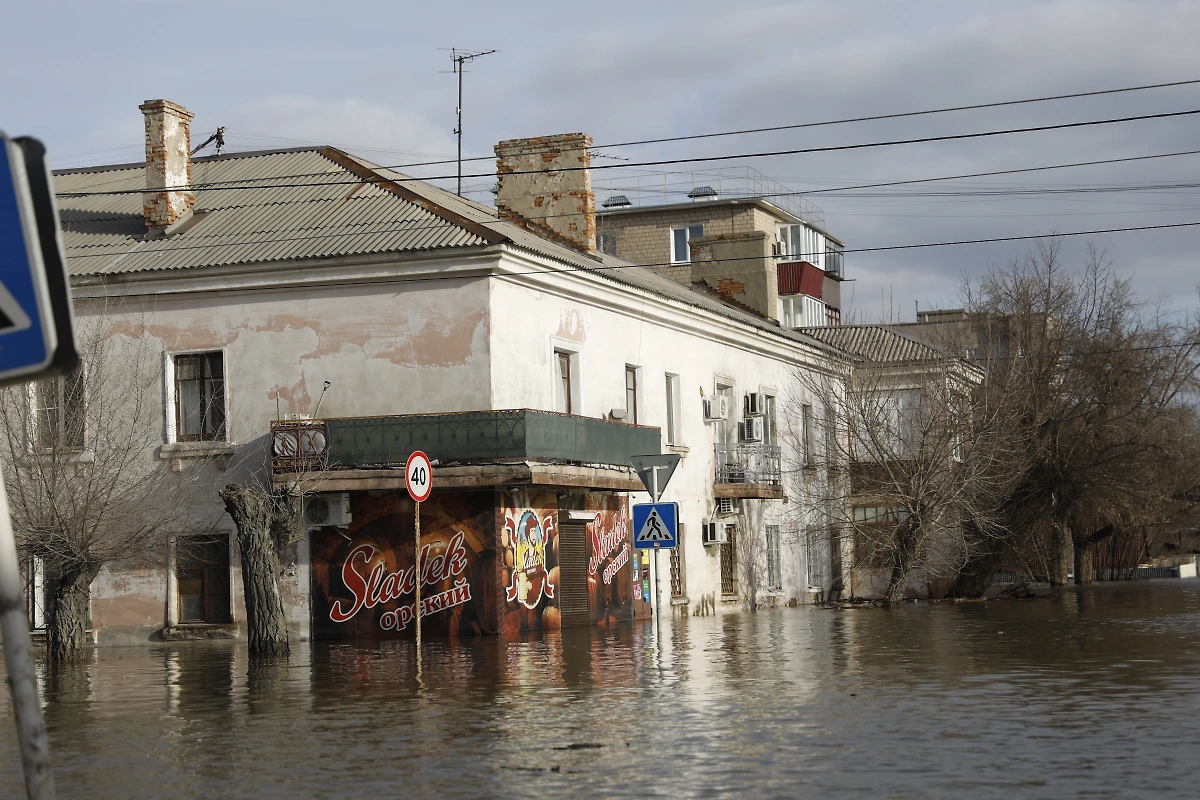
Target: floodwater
1092,692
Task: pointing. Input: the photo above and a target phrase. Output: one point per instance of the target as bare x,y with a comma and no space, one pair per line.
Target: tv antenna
460,59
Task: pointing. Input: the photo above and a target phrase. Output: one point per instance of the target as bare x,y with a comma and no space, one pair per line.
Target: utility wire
844,121
606,267
690,160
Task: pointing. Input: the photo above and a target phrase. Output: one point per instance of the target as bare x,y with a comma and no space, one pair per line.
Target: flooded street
1093,692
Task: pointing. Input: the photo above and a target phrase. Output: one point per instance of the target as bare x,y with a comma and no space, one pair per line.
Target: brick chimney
543,189
168,163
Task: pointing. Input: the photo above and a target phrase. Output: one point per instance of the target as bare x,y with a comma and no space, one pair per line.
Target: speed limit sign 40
418,476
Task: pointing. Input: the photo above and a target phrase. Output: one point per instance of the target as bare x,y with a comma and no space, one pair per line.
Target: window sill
197,449
678,450
177,452
71,456
681,600
194,631
731,598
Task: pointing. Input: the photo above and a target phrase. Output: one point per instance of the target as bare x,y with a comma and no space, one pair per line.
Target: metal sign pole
417,568
657,593
18,659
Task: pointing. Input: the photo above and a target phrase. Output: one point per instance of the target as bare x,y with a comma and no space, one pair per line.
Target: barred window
729,562
677,587
774,560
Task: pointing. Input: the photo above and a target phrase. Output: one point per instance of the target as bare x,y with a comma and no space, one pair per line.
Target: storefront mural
528,525
363,581
610,581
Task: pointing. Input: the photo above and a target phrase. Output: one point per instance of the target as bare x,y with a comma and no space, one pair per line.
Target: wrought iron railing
748,463
298,445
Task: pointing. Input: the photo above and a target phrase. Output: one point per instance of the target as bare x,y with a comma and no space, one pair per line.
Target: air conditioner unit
617,414
713,533
330,509
727,505
751,429
755,404
716,408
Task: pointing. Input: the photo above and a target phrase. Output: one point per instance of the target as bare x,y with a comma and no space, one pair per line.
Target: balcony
473,449
748,471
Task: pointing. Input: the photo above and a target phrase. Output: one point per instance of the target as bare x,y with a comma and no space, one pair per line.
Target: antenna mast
460,58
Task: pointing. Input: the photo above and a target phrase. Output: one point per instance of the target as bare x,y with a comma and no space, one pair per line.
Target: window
681,251
677,588
769,429
729,562
725,431
202,578
774,560
200,397
59,406
674,407
631,395
566,383
806,435
833,258
801,243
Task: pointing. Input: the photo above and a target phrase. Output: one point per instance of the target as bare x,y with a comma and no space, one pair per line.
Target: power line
689,160
603,267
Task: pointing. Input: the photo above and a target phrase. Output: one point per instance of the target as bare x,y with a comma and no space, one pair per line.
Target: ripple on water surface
1093,692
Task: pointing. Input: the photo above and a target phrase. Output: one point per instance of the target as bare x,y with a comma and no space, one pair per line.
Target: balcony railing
748,463
458,438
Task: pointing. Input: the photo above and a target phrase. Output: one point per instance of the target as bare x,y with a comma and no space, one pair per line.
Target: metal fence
1128,574
748,463
473,436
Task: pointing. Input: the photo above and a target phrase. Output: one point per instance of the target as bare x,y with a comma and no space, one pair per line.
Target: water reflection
1092,691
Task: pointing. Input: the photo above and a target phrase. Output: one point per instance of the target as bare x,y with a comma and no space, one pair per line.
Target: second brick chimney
545,186
168,193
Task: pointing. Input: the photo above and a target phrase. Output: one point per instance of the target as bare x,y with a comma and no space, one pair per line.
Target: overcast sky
373,78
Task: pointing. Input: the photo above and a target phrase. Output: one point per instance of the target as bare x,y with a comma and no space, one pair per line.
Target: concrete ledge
525,473
749,491
191,633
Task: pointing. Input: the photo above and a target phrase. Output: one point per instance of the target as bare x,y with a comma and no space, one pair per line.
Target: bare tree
925,453
1100,391
85,486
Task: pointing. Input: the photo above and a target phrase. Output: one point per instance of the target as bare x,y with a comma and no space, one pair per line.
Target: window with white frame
769,425
801,243
59,406
564,389
681,251
199,396
674,407
774,560
631,395
807,456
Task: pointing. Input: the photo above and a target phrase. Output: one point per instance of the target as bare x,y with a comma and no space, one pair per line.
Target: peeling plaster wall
386,349
530,323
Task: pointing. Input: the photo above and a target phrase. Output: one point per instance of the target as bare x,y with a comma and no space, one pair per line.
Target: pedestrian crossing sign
656,525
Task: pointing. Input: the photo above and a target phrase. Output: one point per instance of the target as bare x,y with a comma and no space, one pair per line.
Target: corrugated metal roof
877,343
278,206
263,207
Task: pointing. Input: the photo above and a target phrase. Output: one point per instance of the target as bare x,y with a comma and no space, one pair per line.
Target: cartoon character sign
528,526
529,575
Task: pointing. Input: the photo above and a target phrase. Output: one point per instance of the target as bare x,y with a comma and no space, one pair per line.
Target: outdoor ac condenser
713,533
716,408
330,509
755,404
751,429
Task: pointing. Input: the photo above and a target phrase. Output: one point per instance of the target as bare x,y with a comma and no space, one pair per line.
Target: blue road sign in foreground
655,525
28,338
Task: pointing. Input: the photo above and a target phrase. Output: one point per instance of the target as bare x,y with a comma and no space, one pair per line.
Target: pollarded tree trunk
66,629
904,557
980,570
253,514
1060,553
1084,550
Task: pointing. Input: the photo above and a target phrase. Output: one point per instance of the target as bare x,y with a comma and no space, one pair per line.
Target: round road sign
418,476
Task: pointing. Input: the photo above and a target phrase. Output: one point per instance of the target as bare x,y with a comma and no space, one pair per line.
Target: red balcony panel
800,277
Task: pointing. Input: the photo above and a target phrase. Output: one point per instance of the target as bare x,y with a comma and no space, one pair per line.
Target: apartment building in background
738,235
